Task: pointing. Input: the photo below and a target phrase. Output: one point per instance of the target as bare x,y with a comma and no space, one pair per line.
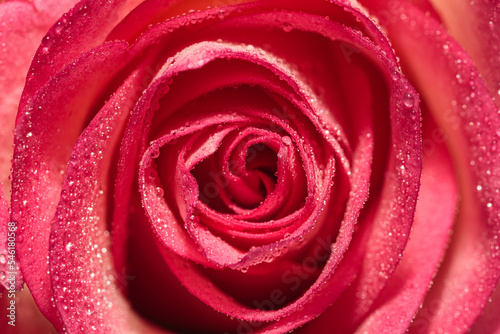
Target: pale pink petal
23,24
476,27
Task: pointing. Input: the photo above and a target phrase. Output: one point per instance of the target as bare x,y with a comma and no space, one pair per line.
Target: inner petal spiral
245,182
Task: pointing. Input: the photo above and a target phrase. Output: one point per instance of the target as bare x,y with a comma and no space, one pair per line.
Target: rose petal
83,278
4,233
400,300
71,37
488,321
28,319
23,26
475,26
211,291
171,305
43,141
460,102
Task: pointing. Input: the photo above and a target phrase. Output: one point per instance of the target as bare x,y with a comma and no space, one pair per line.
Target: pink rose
250,166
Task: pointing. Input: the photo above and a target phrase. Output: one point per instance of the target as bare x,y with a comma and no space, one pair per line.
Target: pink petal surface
23,24
475,26
462,106
82,273
71,37
186,63
43,145
394,250
400,300
4,248
175,25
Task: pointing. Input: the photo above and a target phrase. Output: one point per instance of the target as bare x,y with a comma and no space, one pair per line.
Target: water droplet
286,140
90,307
395,76
58,28
46,44
67,236
3,259
287,27
408,100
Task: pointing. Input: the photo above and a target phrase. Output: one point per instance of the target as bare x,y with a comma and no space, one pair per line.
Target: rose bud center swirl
243,172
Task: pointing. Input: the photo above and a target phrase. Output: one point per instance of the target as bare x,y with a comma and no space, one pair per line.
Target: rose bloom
250,166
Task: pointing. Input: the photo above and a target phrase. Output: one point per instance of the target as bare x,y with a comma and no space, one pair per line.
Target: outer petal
41,159
71,37
22,26
461,104
4,220
436,207
476,26
83,278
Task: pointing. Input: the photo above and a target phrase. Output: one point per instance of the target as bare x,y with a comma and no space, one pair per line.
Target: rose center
245,180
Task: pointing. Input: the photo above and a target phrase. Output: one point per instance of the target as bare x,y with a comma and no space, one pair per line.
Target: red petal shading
384,232
488,321
464,109
22,27
28,319
158,33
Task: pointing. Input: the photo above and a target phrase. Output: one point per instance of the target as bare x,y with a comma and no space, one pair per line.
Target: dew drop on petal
286,140
287,27
58,29
408,100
